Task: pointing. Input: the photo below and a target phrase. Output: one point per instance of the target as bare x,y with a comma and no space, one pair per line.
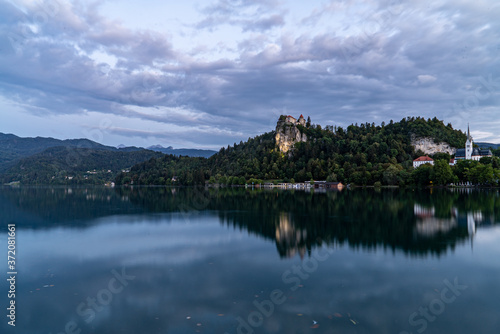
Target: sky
207,74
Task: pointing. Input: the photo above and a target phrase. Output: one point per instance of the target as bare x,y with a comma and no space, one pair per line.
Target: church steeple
468,145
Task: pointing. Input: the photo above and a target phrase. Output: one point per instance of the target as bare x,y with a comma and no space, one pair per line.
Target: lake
187,260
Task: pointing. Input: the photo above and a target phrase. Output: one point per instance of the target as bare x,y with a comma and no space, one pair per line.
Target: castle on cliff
287,132
292,120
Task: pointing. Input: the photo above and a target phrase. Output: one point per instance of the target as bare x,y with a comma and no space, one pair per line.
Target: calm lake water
170,260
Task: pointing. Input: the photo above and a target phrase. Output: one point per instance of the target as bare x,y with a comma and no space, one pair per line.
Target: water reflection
202,258
415,222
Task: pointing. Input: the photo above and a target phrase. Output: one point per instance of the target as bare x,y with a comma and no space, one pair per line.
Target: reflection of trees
42,207
298,221
415,222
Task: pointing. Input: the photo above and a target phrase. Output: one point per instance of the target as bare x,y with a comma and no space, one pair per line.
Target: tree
331,178
483,174
442,173
421,176
441,156
391,175
462,168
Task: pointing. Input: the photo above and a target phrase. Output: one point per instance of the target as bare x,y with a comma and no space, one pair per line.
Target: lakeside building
470,152
422,161
328,185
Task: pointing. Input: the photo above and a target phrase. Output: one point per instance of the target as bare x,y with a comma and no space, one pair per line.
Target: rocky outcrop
429,146
288,133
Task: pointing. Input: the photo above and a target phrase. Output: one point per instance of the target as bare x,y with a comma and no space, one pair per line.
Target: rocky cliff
288,133
429,146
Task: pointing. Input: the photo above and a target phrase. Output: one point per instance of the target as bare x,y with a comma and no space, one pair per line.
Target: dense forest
365,154
70,165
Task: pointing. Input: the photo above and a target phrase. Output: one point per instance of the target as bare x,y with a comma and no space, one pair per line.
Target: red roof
291,116
426,158
301,116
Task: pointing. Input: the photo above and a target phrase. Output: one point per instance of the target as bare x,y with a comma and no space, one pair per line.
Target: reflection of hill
415,222
39,207
299,221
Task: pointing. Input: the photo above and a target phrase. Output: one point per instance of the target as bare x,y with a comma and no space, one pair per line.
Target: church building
470,152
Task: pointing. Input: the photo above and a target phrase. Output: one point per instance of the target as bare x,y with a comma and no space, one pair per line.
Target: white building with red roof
422,161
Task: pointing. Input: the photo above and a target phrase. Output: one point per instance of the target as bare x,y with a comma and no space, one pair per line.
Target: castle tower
468,145
302,121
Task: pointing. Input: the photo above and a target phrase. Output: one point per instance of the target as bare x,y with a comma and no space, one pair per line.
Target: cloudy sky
209,73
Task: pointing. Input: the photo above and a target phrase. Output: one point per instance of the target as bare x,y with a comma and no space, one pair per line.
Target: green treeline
485,172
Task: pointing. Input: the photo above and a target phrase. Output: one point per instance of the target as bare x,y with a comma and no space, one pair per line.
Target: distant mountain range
488,145
48,160
182,151
13,148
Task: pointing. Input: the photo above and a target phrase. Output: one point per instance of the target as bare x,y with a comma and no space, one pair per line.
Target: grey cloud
260,24
233,13
264,23
229,7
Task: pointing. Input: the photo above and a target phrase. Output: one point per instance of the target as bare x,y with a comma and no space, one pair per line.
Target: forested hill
70,165
13,147
362,154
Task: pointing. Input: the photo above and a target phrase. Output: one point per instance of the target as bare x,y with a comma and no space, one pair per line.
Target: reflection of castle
290,239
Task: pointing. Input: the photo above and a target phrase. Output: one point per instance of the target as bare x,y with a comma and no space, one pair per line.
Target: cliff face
287,133
428,146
